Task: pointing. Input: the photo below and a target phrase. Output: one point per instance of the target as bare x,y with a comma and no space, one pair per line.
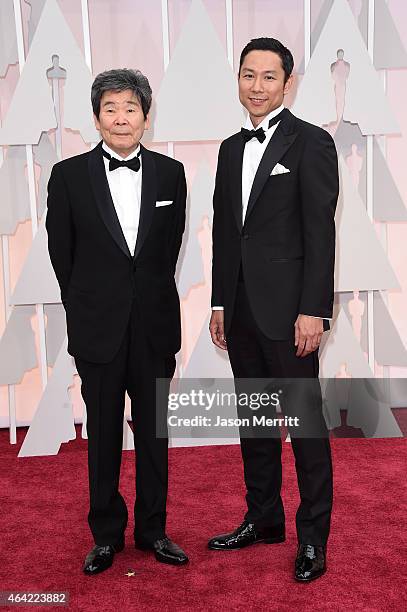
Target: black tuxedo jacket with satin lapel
287,244
96,273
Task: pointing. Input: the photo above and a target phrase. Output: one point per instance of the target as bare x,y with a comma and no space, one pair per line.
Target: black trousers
253,355
134,369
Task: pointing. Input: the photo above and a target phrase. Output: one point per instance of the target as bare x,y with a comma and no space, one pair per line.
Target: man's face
121,121
261,84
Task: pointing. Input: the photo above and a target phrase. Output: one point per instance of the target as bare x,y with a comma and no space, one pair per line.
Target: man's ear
96,120
288,83
147,122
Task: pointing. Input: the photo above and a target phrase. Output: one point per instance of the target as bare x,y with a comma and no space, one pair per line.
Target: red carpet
44,534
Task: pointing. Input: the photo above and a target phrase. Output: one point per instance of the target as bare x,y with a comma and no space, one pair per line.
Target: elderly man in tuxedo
272,290
115,220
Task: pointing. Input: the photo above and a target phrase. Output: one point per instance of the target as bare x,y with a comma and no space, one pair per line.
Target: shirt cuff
217,308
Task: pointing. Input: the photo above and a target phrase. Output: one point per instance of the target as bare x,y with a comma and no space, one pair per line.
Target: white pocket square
163,203
279,169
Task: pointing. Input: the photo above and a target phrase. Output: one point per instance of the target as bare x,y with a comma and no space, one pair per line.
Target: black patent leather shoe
310,562
245,535
100,558
165,551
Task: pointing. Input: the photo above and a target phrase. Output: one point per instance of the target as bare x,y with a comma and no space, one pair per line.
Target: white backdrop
49,53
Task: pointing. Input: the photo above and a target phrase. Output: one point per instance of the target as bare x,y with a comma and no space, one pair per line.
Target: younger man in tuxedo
272,290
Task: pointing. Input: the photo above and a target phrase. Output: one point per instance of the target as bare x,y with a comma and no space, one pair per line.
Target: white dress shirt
125,188
253,152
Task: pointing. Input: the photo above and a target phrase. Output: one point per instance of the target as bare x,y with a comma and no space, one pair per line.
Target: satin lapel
103,197
148,197
236,161
280,142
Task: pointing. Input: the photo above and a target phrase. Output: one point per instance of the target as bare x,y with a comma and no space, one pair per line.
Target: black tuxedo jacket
286,246
96,273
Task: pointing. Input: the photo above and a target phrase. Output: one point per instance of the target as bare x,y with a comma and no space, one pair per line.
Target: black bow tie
260,134
114,163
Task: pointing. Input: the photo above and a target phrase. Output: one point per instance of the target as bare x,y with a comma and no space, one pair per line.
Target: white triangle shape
317,25
320,22
346,136
389,51
360,263
53,422
52,37
55,331
191,270
296,46
365,101
8,43
363,20
15,198
17,346
36,8
389,348
45,156
207,361
366,403
342,347
387,201
37,283
369,411
197,65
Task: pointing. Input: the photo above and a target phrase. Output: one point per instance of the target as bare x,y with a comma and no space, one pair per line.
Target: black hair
270,44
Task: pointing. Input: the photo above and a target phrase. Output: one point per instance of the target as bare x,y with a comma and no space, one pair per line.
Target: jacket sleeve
179,224
60,230
217,233
319,194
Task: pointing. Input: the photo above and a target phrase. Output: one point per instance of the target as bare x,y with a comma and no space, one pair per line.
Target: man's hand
217,330
308,334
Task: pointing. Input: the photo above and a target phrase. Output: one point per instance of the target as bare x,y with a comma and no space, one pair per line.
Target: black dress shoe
100,558
310,562
165,550
245,535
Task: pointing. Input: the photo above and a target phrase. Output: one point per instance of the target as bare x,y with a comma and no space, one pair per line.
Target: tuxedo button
245,236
